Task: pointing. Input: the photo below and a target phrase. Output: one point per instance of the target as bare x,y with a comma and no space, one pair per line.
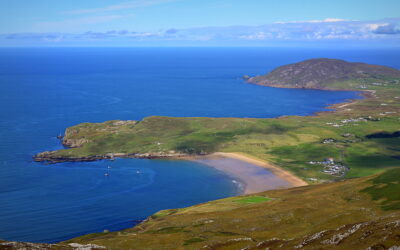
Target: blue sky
158,22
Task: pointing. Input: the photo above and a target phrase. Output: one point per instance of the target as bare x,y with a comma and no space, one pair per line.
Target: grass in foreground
287,219
386,190
252,200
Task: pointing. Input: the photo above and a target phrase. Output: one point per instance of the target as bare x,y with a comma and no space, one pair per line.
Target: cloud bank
330,29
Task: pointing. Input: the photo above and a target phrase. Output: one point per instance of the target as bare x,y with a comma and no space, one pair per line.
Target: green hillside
356,210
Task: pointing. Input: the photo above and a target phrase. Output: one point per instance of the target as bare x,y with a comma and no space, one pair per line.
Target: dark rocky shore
49,157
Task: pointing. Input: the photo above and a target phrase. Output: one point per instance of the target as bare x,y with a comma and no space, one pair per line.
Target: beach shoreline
365,94
278,171
255,174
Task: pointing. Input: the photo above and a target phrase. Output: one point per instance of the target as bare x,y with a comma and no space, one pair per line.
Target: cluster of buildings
329,140
331,167
364,86
387,113
350,138
333,124
352,120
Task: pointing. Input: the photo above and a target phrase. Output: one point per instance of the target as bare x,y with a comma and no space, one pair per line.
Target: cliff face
319,73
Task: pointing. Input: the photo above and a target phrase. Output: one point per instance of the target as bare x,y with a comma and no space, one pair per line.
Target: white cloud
385,28
318,30
121,6
379,30
326,20
257,36
374,26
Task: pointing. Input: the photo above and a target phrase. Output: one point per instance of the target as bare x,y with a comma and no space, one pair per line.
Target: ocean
45,90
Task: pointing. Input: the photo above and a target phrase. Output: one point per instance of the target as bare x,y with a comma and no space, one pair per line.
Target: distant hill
319,73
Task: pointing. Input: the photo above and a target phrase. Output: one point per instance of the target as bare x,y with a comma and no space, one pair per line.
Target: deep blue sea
45,90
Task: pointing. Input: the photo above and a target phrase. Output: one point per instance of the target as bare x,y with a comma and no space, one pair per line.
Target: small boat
138,172
106,174
109,167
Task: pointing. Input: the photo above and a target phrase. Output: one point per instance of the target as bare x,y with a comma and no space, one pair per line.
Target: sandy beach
255,175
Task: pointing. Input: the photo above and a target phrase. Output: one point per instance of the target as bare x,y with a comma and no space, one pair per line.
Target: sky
198,22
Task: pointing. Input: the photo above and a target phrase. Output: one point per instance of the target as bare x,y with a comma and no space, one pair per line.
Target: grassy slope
287,216
289,142
361,213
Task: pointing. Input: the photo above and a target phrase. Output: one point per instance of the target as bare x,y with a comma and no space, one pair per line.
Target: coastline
278,171
256,175
365,94
253,175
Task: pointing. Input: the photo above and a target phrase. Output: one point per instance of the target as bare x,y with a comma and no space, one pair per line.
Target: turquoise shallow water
43,91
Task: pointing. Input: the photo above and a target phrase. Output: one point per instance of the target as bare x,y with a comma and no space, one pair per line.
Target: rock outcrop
53,157
70,141
12,245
